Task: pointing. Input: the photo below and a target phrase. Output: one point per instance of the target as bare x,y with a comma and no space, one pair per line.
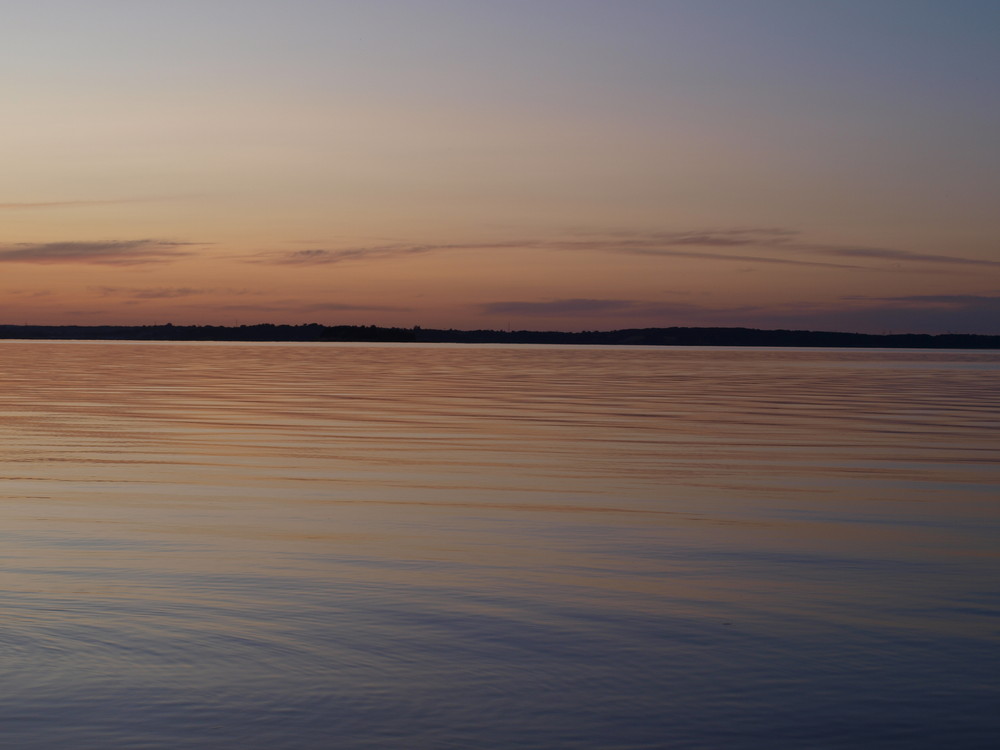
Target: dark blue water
326,546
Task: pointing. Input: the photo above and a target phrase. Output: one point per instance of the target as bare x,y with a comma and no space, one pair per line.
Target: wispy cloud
657,243
114,253
961,313
901,256
314,257
583,307
558,307
665,252
754,245
319,256
294,306
29,292
776,239
977,301
150,292
19,205
739,237
343,306
930,313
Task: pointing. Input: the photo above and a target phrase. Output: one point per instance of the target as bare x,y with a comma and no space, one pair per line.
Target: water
402,546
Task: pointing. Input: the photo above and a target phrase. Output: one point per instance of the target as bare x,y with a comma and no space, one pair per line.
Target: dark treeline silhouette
628,336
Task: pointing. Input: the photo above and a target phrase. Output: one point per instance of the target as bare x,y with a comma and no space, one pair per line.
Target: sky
525,164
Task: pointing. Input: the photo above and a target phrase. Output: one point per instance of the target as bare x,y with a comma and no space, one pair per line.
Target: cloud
293,306
341,306
250,308
662,244
769,238
557,307
897,255
69,204
759,236
582,307
656,243
914,314
114,253
150,292
324,257
753,245
958,312
940,313
315,257
742,258
947,299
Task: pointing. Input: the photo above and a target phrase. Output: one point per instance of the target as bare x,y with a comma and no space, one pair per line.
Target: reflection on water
381,546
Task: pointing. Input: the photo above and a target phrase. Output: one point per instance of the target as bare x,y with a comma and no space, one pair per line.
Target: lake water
404,546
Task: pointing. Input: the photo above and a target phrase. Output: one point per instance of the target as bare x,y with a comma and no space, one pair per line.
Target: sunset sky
543,164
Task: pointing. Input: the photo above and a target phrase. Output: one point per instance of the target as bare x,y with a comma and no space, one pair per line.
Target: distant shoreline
675,336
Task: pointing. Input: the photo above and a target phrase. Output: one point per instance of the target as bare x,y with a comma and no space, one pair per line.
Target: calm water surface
401,546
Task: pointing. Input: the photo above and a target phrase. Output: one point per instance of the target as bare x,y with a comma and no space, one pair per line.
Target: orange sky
571,165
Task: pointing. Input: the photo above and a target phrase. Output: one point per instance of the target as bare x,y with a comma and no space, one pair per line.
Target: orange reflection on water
316,506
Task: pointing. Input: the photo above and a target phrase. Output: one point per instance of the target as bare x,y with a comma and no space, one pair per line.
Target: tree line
675,336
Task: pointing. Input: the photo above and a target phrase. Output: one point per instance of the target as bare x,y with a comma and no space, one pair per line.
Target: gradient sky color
544,164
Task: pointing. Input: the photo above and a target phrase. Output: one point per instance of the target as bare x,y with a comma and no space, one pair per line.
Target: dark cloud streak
314,257
773,245
956,313
879,253
151,292
291,306
112,253
70,204
558,307
666,253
